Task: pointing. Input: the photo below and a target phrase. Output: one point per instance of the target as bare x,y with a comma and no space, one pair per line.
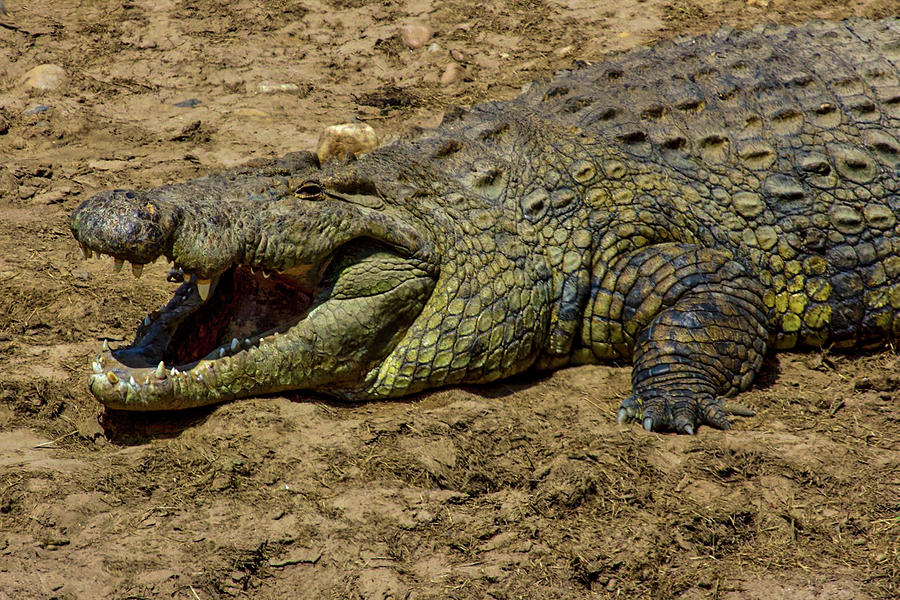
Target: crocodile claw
682,415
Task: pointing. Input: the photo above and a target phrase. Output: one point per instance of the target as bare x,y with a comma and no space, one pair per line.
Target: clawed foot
680,414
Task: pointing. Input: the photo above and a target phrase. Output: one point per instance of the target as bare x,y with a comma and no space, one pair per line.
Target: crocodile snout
126,224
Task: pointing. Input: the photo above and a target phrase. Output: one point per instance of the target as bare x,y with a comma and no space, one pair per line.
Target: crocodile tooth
86,252
210,375
161,370
175,371
146,321
105,346
117,265
137,270
203,288
97,366
235,344
221,352
266,274
111,377
132,381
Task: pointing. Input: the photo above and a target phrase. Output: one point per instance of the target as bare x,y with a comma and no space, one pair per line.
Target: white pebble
341,141
268,87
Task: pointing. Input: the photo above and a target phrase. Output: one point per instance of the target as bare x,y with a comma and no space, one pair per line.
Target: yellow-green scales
687,207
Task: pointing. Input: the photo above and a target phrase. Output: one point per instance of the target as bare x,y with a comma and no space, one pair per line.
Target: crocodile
687,207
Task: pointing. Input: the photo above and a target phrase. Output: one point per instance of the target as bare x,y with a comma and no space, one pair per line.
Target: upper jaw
207,234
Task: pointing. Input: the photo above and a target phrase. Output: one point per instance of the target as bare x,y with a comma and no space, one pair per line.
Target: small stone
55,196
268,87
341,141
193,132
415,35
26,192
458,55
36,110
452,73
45,77
189,103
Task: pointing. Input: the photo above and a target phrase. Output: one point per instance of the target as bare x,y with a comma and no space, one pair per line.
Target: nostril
129,195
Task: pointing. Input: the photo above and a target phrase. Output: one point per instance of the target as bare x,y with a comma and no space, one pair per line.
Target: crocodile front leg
695,325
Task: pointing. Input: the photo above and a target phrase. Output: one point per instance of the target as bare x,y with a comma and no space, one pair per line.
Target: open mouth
209,320
249,331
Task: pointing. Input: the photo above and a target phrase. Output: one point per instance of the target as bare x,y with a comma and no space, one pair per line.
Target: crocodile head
295,277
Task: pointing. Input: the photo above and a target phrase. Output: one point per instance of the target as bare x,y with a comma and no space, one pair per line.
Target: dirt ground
523,489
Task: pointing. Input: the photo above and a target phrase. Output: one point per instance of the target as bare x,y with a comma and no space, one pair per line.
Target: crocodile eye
309,189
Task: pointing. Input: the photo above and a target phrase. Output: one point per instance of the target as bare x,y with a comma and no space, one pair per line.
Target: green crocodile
686,207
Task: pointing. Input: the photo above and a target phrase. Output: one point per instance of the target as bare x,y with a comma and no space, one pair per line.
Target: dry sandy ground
524,489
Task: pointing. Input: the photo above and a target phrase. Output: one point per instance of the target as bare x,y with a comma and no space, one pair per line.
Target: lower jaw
202,382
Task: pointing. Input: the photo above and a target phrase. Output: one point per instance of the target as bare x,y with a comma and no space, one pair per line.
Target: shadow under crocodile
130,428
